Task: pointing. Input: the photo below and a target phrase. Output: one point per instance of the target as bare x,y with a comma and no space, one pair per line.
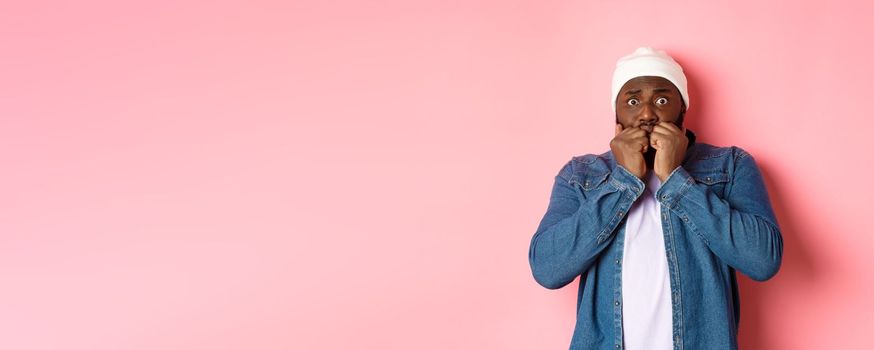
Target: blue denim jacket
716,218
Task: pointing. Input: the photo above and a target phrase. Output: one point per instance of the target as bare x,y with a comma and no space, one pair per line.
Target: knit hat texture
646,61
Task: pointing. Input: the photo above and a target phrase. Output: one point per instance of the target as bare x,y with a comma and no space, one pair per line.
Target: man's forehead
649,83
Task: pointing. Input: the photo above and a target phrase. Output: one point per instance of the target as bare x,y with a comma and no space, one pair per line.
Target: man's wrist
624,179
663,177
674,186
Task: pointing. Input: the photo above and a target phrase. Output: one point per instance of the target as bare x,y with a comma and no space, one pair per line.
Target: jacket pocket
589,181
715,181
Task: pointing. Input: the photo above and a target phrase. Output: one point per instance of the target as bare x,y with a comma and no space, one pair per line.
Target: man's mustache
647,127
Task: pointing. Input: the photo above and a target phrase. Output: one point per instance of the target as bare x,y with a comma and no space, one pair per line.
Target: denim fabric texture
716,219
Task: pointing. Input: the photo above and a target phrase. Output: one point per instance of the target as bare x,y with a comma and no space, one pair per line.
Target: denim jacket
716,218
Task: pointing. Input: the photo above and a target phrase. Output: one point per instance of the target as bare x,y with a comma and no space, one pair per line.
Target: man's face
645,101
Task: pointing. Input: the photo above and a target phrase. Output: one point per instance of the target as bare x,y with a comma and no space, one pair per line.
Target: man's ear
681,118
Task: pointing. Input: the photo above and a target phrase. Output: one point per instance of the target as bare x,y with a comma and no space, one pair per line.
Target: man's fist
670,143
628,146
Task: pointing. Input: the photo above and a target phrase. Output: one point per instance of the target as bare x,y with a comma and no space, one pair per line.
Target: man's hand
628,146
670,143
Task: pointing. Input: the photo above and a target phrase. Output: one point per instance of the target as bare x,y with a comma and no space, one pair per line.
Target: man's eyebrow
656,90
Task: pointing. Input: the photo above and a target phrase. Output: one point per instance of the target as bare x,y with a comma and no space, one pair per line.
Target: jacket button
617,261
685,218
620,213
617,303
618,346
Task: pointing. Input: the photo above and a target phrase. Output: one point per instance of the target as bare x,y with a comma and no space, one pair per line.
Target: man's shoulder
708,162
704,151
605,158
589,163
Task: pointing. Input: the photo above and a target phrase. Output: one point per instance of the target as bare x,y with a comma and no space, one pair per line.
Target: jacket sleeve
740,229
578,225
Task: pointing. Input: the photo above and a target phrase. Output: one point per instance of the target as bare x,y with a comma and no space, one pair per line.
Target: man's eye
633,102
662,100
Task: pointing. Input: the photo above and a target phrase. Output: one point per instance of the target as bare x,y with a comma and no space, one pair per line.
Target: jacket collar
689,149
691,136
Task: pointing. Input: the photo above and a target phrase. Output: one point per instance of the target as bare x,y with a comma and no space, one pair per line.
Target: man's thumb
618,129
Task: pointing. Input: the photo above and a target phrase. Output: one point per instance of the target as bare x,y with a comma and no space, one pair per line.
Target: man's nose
647,114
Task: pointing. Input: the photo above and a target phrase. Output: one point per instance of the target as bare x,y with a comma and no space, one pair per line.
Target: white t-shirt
646,288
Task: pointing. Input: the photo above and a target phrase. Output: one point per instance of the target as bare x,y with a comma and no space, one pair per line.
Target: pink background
368,174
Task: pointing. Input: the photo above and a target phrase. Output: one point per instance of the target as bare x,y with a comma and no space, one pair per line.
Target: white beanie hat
645,61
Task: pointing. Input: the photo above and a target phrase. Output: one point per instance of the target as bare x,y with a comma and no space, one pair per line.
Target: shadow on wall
798,268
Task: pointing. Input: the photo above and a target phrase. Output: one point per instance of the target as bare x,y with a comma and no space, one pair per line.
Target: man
657,226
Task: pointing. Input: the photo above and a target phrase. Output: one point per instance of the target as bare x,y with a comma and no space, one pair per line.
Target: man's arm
578,225
741,229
